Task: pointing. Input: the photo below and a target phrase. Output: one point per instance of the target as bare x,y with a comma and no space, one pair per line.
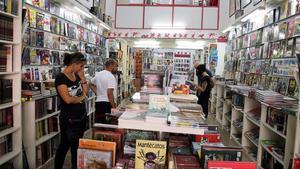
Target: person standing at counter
104,85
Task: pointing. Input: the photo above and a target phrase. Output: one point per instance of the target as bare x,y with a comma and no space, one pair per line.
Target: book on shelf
6,28
210,138
6,92
46,127
107,135
277,119
6,118
46,151
219,153
150,153
5,58
186,161
231,164
291,28
297,26
197,145
6,144
104,146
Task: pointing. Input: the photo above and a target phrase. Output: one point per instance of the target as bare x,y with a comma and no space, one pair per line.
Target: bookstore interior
149,84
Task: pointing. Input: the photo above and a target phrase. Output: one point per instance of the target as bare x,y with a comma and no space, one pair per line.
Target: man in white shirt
104,84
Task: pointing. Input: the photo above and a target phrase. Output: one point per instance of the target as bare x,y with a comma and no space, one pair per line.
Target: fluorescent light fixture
184,44
105,26
82,12
254,14
189,47
146,46
227,29
147,42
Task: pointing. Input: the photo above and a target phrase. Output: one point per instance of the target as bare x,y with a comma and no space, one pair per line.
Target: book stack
255,114
268,96
197,145
157,116
6,28
253,135
6,91
6,144
188,107
96,154
111,136
46,150
129,117
184,119
6,118
184,98
5,55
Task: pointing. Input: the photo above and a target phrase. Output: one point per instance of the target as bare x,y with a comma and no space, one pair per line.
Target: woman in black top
203,88
72,89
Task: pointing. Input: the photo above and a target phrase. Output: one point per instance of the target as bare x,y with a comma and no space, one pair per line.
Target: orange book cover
99,145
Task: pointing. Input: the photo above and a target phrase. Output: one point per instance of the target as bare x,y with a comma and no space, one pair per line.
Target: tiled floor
225,138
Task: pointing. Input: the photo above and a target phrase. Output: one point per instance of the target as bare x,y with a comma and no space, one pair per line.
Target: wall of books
51,29
10,84
265,54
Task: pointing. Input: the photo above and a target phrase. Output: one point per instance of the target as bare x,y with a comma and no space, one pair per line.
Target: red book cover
297,163
209,138
231,165
186,161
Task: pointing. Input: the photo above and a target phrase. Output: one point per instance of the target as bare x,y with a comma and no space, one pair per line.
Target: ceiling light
189,43
147,42
254,14
82,12
189,46
146,46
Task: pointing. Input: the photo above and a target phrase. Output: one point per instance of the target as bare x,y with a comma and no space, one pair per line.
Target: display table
143,98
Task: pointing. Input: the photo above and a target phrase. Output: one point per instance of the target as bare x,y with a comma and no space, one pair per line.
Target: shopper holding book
72,89
104,84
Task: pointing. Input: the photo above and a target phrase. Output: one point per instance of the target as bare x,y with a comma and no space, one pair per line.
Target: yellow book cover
42,4
32,18
150,154
9,6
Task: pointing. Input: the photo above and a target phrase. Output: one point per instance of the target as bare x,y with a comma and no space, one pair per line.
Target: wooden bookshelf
290,140
13,72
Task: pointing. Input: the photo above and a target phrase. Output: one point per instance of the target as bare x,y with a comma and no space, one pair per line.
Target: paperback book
150,154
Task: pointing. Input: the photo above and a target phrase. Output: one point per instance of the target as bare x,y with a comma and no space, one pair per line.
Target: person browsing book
203,88
104,84
72,89
197,63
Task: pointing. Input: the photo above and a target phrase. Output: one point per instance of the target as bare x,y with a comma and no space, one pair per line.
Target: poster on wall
245,3
232,7
213,58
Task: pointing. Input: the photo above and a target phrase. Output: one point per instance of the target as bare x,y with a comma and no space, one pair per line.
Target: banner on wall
213,57
164,34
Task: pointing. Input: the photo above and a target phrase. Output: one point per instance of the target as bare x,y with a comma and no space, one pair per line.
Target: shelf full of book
10,84
265,132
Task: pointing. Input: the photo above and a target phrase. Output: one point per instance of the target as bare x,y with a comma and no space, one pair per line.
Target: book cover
48,38
7,86
186,161
276,33
40,39
100,146
150,154
56,42
297,51
93,159
291,28
282,30
231,165
47,20
39,20
111,136
32,18
219,154
210,138
289,48
292,86
297,26
53,25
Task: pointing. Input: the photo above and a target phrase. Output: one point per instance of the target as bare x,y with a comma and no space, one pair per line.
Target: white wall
110,8
226,21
